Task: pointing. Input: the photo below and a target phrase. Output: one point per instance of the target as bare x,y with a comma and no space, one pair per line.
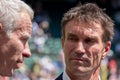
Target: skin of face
15,47
83,48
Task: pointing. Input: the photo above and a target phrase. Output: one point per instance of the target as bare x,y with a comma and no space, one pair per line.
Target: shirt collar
66,77
99,77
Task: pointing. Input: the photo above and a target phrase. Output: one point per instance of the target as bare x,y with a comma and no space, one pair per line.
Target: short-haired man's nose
26,52
80,47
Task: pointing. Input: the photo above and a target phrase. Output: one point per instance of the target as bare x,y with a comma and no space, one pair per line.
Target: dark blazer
60,77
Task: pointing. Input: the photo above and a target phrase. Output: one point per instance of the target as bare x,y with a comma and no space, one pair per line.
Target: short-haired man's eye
90,40
72,39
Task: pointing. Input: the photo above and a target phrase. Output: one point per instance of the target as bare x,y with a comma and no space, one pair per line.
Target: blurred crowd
47,60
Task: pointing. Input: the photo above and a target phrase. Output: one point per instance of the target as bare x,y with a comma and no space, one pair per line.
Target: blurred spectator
48,67
117,48
104,66
41,25
44,69
39,37
36,70
40,14
112,69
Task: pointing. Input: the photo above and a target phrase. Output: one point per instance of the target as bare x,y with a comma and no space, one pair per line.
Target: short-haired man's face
15,47
83,47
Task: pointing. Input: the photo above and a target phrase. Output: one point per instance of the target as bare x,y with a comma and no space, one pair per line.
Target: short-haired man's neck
90,76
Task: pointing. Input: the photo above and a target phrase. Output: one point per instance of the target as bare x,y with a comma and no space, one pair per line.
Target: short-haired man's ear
1,26
106,49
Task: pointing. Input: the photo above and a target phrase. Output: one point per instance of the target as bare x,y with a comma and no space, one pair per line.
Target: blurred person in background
41,25
86,39
15,30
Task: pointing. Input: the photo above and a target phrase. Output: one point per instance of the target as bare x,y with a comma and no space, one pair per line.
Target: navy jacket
60,77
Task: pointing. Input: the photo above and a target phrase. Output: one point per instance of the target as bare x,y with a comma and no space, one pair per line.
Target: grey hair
10,11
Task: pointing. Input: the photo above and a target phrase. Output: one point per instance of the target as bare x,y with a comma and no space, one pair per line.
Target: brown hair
90,12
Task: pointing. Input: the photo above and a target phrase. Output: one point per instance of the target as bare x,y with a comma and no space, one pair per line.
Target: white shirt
66,77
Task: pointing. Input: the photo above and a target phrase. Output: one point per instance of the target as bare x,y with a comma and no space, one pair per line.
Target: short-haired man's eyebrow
72,35
94,38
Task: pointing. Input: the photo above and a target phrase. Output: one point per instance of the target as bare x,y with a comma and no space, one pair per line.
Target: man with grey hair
15,30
